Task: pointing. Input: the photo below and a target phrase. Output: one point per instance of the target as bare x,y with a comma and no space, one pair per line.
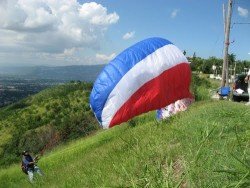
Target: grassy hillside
206,146
53,116
42,121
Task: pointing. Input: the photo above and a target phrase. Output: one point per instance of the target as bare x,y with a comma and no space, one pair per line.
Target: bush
200,88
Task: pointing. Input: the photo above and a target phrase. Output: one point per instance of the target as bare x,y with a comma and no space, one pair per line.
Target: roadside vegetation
199,64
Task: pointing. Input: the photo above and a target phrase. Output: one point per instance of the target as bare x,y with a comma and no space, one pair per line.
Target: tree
232,63
231,58
194,55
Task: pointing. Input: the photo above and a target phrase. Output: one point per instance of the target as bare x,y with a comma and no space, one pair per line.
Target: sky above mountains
71,32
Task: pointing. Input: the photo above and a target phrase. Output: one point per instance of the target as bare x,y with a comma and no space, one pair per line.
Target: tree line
199,64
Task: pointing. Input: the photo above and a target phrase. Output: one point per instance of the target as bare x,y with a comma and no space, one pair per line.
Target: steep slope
53,116
206,146
44,120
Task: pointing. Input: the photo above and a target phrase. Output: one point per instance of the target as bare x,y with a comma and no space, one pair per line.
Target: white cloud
51,26
69,55
104,57
69,52
97,14
242,12
128,35
174,13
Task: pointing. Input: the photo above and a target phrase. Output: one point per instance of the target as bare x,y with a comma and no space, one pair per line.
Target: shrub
200,87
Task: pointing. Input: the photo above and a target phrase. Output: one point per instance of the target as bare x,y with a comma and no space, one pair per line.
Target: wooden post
224,18
224,80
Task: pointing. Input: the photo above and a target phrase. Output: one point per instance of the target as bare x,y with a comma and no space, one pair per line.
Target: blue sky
197,26
67,32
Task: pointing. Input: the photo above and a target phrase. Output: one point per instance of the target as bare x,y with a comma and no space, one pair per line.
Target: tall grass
206,146
201,87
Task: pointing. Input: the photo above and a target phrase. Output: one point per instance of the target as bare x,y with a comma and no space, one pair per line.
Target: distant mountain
76,72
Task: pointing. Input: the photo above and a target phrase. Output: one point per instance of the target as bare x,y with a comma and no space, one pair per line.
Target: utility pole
224,80
224,18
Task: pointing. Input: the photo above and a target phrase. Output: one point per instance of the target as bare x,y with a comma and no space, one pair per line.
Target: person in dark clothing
29,165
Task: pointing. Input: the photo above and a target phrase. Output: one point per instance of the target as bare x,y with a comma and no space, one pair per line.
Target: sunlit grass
206,146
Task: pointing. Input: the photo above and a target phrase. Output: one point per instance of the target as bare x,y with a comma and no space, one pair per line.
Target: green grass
42,121
206,146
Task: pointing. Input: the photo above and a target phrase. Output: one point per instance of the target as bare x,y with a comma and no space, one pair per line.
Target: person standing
29,165
247,80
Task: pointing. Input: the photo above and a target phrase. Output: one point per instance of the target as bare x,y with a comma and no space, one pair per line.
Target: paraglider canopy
146,76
